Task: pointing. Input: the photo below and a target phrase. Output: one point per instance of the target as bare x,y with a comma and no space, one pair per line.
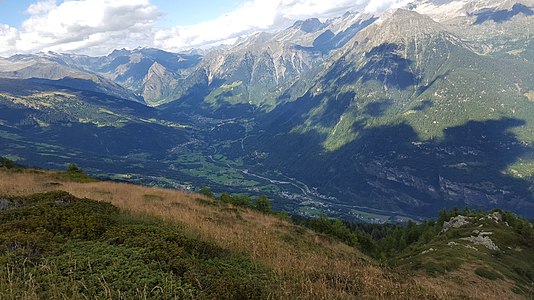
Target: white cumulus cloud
250,17
260,15
99,26
8,39
89,26
377,6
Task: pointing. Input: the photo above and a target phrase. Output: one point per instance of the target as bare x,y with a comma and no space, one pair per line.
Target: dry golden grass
307,265
464,281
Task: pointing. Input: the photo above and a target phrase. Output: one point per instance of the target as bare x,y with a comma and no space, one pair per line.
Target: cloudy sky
96,27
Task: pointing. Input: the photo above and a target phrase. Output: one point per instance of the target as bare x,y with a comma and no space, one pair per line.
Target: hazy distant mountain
501,28
260,68
150,73
51,67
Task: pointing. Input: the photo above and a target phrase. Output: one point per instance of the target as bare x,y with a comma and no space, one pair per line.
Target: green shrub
263,204
206,191
333,227
283,215
57,246
73,169
74,173
60,214
8,164
237,200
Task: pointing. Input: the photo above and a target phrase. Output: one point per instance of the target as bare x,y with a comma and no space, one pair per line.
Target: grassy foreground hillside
133,242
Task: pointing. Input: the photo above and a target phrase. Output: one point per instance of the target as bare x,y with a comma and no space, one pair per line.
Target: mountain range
377,118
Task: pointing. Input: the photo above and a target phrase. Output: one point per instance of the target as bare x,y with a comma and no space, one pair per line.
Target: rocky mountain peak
447,10
402,26
309,25
408,21
158,84
156,70
120,52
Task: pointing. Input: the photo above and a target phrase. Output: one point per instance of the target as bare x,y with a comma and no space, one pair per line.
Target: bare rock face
453,244
428,251
455,222
496,216
158,84
483,239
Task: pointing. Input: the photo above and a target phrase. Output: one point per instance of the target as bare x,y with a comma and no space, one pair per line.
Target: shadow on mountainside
383,64
501,16
329,116
389,168
134,148
377,108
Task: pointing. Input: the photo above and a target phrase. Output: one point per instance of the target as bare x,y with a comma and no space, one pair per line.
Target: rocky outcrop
428,251
483,239
455,222
496,216
452,244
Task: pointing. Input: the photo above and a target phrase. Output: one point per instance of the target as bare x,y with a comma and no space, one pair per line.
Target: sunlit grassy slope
222,251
